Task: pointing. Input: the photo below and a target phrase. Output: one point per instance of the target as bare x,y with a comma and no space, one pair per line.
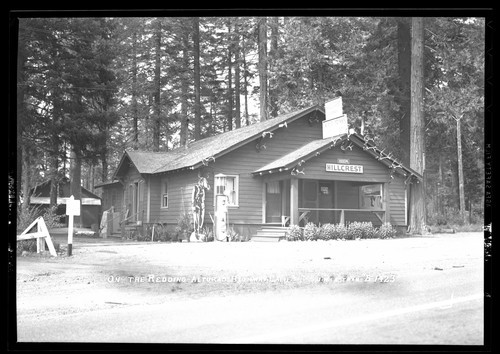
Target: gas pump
221,214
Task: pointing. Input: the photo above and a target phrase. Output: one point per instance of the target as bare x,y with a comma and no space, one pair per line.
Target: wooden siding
180,188
112,196
246,159
397,201
373,170
131,177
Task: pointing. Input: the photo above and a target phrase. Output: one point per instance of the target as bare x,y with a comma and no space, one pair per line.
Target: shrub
206,234
294,233
232,235
311,232
341,231
386,230
30,246
361,230
26,245
185,223
25,216
329,232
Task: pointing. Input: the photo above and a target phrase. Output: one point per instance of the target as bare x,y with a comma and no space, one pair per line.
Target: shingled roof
196,153
303,153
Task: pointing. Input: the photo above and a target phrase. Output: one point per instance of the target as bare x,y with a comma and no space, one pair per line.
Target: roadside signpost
72,209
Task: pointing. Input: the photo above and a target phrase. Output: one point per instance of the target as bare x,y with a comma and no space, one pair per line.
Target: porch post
387,197
294,201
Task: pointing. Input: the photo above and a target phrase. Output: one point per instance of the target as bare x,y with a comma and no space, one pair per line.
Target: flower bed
353,231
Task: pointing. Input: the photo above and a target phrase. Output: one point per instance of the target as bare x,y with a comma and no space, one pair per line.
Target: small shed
90,205
112,195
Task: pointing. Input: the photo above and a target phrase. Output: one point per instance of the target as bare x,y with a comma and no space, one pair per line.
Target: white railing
304,213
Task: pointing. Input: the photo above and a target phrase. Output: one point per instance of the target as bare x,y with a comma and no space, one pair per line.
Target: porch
296,201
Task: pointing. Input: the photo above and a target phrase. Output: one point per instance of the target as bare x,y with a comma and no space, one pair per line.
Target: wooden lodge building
304,166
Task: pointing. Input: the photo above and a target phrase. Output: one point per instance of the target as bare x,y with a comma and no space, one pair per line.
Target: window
228,185
371,196
164,193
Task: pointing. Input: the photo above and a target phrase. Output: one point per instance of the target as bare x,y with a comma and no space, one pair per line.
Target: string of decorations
207,160
261,145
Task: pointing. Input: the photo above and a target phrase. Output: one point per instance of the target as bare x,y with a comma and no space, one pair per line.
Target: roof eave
386,161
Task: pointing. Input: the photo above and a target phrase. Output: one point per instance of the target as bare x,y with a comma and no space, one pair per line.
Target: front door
326,201
273,202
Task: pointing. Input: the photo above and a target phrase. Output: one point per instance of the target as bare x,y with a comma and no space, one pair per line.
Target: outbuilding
90,202
304,166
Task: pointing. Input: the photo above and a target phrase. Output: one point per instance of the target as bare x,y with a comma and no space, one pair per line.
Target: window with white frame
228,185
371,196
164,193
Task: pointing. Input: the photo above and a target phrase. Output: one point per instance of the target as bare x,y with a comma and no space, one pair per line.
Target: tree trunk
237,79
184,89
135,113
262,48
21,89
229,78
104,167
25,176
273,93
461,193
417,217
441,186
54,180
157,89
404,69
197,84
76,181
245,91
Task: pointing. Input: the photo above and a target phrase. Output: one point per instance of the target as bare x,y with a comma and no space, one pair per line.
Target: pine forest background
90,88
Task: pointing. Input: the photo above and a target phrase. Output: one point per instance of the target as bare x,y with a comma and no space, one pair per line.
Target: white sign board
72,206
336,126
333,108
335,167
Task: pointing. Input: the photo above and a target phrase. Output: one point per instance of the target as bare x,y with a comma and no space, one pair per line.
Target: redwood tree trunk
417,217
237,79
461,193
157,90
184,90
262,47
197,84
404,69
135,113
273,54
229,79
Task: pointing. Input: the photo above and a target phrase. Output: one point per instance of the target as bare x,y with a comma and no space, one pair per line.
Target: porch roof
293,158
316,147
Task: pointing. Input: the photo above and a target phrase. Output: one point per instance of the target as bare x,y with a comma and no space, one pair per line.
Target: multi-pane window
228,185
371,196
164,193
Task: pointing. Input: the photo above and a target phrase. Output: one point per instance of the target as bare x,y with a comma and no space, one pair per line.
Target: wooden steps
270,234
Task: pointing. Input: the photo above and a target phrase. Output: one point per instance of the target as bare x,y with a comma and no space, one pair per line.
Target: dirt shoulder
148,271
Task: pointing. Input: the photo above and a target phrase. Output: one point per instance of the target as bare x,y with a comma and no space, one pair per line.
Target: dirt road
412,290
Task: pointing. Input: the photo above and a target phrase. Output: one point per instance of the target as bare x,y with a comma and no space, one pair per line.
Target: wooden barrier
41,235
